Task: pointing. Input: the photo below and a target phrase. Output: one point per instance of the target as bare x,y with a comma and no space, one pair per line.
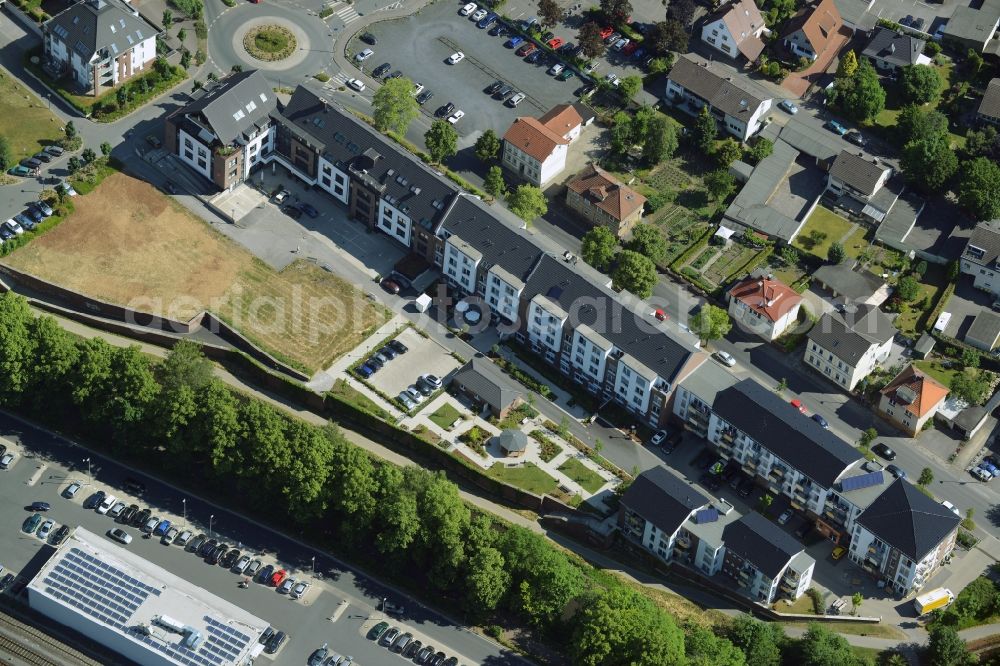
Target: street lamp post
314,564
91,476
48,100
184,503
210,519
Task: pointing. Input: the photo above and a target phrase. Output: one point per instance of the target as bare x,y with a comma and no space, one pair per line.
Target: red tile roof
606,192
770,298
928,391
539,137
819,24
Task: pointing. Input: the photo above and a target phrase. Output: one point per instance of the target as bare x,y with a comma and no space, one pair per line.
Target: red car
279,577
630,48
390,286
527,49
797,404
606,32
556,42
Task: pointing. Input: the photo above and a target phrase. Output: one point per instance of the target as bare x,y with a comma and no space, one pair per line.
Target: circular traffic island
269,42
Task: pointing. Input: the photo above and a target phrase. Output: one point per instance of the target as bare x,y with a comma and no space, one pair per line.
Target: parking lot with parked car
337,605
417,373
420,45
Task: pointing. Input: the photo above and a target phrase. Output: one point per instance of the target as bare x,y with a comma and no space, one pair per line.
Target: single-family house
911,399
764,305
903,537
985,331
736,103
536,148
98,44
604,201
857,182
226,129
846,346
979,259
736,30
810,31
889,51
989,106
482,382
851,286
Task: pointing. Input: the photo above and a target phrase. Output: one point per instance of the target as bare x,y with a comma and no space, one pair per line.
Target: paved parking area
49,465
419,44
424,357
238,202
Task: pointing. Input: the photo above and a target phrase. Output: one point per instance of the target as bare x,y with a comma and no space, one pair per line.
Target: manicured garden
588,479
527,476
821,230
446,416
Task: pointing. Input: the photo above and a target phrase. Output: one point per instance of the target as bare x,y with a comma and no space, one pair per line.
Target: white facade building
846,347
536,149
735,102
979,259
460,262
736,30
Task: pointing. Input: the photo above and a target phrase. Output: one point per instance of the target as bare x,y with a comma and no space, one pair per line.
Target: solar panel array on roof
706,516
862,481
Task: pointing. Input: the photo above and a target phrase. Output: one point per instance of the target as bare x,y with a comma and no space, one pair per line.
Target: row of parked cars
42,527
416,393
28,219
406,646
31,165
377,361
986,470
213,551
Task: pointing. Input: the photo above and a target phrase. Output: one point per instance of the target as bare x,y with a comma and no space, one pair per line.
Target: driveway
964,305
419,44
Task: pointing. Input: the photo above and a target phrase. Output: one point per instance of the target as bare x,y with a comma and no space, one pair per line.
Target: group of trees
646,128
856,91
630,268
6,154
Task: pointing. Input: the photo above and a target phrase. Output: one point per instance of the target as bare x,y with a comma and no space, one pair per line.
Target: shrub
817,600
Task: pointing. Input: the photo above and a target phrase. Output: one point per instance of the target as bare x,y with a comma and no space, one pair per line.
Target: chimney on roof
892,47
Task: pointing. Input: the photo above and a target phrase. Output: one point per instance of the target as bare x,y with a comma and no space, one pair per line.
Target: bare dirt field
128,243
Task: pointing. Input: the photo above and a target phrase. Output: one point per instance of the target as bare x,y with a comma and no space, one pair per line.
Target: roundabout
281,40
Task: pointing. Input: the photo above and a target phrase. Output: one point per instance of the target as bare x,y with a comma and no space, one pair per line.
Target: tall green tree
17,348
55,355
914,123
487,146
859,96
836,254
705,648
630,86
920,84
598,248
848,65
728,151
621,134
929,163
444,521
710,322
616,11
589,39
528,203
821,647
494,183
486,582
660,140
667,36
128,394
218,430
6,154
620,627
648,241
946,648
549,12
393,107
704,131
719,183
760,642
635,273
979,188
761,149
543,581
441,140
356,497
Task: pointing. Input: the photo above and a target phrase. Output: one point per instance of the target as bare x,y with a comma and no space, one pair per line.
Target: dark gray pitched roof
416,190
850,335
798,440
860,172
658,351
90,26
908,520
235,105
469,219
735,95
662,498
512,440
761,542
484,378
849,283
896,47
990,104
984,244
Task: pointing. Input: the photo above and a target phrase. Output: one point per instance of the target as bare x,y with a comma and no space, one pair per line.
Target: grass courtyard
154,256
821,230
445,416
588,479
527,476
25,120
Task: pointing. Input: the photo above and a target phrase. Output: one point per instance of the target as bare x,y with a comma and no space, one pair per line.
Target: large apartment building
98,44
586,331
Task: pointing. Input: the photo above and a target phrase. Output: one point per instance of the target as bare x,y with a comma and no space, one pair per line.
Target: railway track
29,645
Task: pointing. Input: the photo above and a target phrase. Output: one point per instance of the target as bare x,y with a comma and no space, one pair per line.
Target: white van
109,501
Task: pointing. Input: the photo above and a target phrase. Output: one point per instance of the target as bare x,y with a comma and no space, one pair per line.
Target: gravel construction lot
424,357
161,259
419,44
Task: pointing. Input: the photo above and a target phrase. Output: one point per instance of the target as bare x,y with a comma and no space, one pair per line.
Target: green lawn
856,243
24,119
351,395
445,416
822,229
933,281
886,119
936,370
588,479
528,477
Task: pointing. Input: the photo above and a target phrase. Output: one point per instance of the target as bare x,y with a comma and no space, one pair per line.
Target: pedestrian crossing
337,80
347,14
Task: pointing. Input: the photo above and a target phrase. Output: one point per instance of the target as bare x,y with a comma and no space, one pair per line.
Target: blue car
514,41
836,127
365,370
487,20
820,420
162,528
639,53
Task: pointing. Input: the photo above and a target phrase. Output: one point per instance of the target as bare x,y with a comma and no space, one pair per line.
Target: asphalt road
47,464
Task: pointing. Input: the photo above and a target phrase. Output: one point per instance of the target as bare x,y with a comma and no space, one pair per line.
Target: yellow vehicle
838,552
933,600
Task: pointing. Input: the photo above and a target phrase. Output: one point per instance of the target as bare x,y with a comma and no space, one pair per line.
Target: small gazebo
512,443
